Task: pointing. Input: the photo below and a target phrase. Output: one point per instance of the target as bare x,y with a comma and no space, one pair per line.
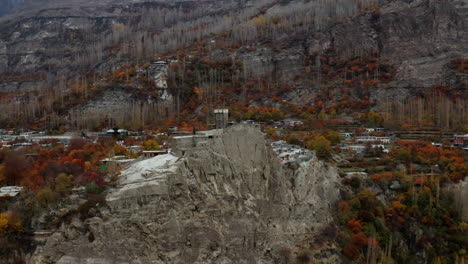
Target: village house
250,122
118,160
346,135
381,146
180,144
154,153
290,153
289,122
120,131
10,191
375,129
369,139
221,118
358,149
135,148
384,140
360,174
159,63
460,140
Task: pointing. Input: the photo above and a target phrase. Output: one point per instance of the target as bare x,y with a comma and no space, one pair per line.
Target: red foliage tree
344,206
353,249
16,166
355,225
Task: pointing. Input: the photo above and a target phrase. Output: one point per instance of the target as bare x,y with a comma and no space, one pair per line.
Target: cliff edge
229,200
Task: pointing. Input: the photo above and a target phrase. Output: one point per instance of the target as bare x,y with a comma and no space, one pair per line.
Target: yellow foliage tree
119,150
45,196
118,27
63,183
151,144
10,224
332,135
2,167
258,21
321,145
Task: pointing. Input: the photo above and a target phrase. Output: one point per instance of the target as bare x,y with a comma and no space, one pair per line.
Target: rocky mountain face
51,45
47,35
7,5
420,37
227,201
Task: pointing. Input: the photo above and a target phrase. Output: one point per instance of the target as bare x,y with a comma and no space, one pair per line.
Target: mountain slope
7,5
365,51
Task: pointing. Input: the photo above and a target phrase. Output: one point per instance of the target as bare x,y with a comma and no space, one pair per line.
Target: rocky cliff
227,201
7,5
420,37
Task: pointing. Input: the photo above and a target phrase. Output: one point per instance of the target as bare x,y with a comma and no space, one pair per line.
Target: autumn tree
10,224
355,225
63,183
332,135
11,229
151,144
321,145
76,143
354,247
45,196
16,165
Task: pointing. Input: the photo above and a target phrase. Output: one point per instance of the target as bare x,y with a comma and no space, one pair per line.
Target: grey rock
395,185
229,201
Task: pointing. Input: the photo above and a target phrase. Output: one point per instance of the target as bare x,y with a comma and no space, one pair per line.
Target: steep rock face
49,43
7,5
420,37
284,62
460,192
70,35
114,103
229,201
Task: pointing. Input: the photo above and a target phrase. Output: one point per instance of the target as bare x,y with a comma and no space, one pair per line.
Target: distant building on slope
221,118
460,139
367,139
10,191
154,153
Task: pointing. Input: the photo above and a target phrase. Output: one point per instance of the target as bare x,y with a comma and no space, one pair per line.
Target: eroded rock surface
229,201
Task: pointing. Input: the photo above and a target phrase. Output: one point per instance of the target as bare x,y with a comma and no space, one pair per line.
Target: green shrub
356,182
321,145
332,135
45,196
93,188
63,182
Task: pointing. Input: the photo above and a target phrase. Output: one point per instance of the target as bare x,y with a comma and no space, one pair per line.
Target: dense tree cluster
418,221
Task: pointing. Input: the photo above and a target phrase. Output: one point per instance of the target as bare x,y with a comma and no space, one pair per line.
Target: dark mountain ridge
305,44
7,5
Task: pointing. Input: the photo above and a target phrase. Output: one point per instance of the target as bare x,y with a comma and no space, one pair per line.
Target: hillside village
232,131
358,141
136,146
361,156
